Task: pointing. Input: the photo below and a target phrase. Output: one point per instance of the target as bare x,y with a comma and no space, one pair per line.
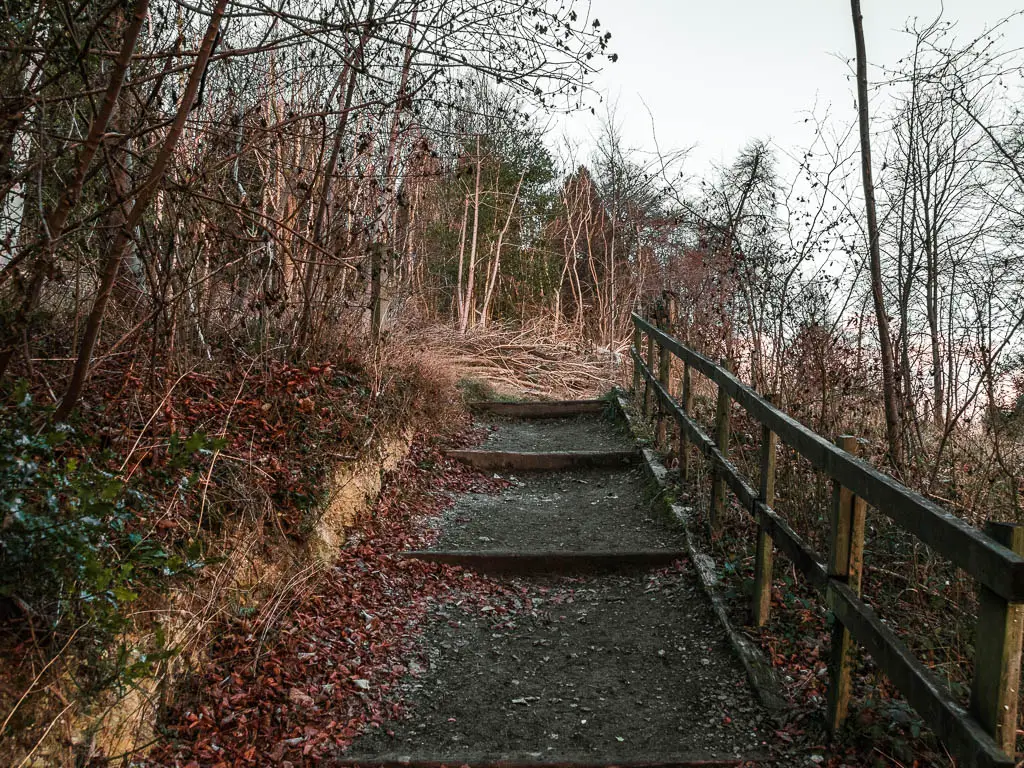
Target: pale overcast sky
717,73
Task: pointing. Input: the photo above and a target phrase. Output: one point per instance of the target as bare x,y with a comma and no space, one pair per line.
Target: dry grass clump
528,361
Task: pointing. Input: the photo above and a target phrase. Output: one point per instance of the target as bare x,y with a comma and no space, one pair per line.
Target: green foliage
504,147
72,554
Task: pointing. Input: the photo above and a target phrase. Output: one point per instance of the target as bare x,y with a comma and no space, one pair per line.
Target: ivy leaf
124,594
111,490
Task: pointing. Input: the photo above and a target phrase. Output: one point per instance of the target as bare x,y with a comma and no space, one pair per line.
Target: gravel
613,667
578,433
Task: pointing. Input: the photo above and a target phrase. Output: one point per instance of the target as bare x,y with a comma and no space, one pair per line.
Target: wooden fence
984,734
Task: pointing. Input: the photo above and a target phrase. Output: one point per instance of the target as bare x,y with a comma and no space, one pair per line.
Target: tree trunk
493,280
122,239
57,218
932,311
460,298
892,420
468,305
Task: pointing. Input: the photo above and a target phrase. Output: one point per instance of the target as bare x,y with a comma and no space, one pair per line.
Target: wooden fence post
722,440
664,369
764,554
997,652
845,562
648,389
686,403
638,340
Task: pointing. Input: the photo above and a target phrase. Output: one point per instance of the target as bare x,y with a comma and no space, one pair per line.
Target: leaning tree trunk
57,218
348,74
892,419
122,239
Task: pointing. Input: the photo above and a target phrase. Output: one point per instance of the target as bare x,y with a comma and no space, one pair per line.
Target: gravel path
615,667
597,668
576,510
579,433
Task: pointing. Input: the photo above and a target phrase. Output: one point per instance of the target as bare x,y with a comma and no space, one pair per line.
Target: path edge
760,673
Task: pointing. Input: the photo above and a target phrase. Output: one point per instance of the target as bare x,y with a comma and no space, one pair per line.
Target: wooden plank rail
995,566
786,539
979,736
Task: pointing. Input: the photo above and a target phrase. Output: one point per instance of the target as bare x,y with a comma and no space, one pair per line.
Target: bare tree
889,396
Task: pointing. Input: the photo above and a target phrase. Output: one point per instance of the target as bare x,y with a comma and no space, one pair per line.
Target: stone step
499,561
556,409
539,461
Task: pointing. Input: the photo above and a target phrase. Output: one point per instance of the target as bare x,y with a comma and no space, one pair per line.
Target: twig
46,733
36,680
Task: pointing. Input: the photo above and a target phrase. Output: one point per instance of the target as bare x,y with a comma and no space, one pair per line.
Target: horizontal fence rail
995,566
983,735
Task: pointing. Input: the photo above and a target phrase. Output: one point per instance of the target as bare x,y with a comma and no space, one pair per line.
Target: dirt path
571,510
591,669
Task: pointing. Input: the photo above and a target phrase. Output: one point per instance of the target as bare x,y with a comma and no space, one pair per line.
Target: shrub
73,556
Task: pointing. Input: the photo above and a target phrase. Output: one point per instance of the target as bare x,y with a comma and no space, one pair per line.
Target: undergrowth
74,555
122,531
